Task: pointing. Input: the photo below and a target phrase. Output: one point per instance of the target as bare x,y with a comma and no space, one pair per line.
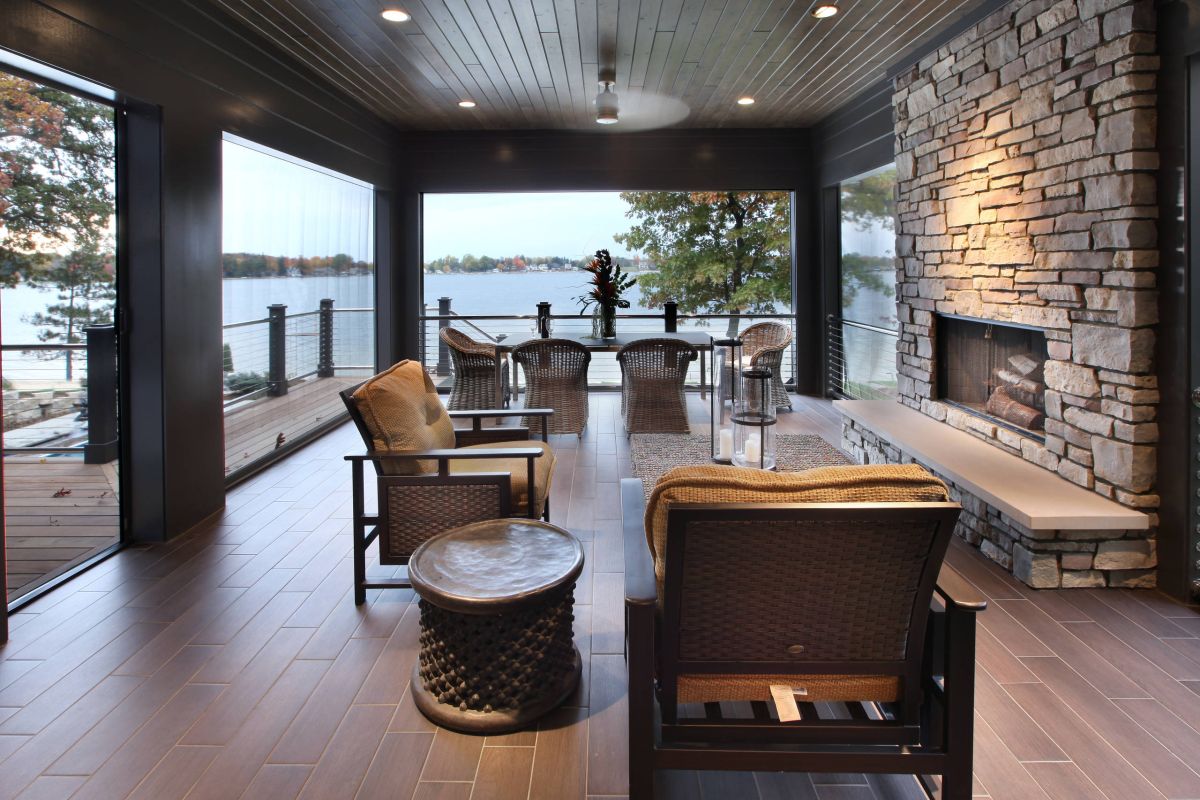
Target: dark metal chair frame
928,731
496,485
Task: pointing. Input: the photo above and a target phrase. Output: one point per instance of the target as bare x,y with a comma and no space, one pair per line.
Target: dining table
698,339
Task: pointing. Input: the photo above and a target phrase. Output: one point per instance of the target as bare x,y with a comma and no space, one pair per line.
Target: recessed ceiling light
395,15
466,103
745,101
825,10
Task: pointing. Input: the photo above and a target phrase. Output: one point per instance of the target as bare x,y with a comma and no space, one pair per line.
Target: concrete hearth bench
1047,530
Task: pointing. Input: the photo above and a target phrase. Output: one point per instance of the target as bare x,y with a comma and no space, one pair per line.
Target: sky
572,224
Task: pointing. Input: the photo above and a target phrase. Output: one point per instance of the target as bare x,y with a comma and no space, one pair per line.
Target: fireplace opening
994,370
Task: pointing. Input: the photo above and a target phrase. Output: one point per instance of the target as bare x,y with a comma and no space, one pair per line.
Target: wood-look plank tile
239,761
175,775
278,782
344,763
608,746
390,675
1096,757
608,612
1001,774
771,786
52,787
443,791
1172,661
397,765
504,773
1063,780
561,755
452,757
95,747
1016,729
130,764
308,735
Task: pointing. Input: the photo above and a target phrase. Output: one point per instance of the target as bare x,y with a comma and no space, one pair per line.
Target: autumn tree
715,252
56,173
86,295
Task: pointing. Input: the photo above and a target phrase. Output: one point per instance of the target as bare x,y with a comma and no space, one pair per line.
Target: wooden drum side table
497,650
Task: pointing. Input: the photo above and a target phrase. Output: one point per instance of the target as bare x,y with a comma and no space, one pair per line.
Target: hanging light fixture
606,103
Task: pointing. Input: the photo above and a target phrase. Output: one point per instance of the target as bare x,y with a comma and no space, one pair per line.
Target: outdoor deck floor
232,663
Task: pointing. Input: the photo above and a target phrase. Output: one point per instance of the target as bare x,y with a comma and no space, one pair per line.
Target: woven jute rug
655,453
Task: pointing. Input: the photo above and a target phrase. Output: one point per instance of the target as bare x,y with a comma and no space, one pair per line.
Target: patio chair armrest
500,412
957,593
640,586
506,452
768,350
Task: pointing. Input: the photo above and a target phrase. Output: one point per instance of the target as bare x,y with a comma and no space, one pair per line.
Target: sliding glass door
58,296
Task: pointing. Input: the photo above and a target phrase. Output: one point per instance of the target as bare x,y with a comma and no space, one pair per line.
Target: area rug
655,453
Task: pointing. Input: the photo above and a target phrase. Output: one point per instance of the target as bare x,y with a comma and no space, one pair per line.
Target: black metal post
276,350
543,319
443,362
671,312
325,340
102,442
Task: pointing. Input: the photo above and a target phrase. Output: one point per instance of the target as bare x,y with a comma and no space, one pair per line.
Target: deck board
232,663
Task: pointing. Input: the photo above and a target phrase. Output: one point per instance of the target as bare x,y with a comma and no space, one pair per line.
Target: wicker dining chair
474,372
816,587
556,378
763,345
652,376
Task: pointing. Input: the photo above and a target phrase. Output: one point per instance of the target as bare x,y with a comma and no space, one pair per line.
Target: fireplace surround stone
1026,194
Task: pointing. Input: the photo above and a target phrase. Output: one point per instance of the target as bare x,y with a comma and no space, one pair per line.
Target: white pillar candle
753,449
725,450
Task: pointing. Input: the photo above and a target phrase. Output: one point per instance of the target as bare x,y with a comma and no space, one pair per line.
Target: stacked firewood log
1019,396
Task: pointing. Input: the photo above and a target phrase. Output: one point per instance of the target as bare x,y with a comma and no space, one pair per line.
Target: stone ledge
1031,496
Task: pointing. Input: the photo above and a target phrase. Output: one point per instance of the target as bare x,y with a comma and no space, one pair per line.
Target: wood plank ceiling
534,63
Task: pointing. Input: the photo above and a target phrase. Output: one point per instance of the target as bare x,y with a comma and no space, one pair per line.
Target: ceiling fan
634,109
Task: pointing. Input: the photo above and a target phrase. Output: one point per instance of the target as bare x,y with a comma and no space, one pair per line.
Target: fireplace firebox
993,369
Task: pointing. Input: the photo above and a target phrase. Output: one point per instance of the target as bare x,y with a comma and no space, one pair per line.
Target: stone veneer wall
1026,193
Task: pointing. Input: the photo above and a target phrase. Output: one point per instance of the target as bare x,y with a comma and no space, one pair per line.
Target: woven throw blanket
656,453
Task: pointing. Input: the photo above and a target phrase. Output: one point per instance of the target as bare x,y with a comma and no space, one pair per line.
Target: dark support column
671,312
443,362
325,340
102,442
276,350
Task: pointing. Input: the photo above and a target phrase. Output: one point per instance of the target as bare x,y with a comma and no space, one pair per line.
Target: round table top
494,566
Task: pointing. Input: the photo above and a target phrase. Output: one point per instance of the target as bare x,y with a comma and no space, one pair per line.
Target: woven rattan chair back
653,372
837,591
556,377
763,345
474,371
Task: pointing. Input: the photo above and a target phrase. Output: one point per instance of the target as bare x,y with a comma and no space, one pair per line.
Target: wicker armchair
817,586
763,345
430,476
474,371
556,378
652,376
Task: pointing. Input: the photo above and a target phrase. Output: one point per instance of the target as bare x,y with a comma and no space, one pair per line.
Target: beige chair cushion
879,483
402,411
543,470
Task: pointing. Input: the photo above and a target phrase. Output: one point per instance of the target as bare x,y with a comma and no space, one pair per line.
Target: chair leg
358,544
639,659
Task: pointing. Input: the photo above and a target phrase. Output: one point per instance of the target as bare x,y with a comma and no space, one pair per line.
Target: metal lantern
754,420
725,360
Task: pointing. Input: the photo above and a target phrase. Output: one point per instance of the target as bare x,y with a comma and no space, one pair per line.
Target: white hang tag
784,698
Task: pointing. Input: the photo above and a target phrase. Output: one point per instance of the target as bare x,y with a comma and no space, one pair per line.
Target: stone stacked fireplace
1026,197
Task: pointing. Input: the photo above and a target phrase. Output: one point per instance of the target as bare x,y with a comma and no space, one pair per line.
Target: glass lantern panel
725,391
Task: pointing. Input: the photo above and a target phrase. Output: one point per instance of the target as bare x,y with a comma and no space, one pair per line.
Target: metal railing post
671,314
102,442
443,362
276,350
543,319
325,340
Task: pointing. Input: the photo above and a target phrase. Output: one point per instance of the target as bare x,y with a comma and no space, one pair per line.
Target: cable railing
265,357
61,399
603,371
860,360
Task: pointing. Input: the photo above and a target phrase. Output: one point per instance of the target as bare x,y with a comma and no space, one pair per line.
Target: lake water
246,299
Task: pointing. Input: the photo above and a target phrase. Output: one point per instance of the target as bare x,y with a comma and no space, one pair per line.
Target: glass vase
608,322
